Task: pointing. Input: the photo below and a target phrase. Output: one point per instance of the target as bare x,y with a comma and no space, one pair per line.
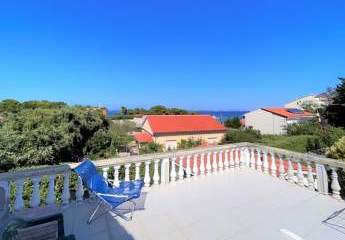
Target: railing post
232,162
226,159
291,174
202,164
273,165
208,164
281,168
173,174
220,161
116,175
214,163
195,165
80,190
165,171
180,169
127,166
310,177
265,164
252,159
5,198
188,169
237,159
156,173
105,172
147,178
335,184
300,177
35,197
137,171
51,190
19,203
258,161
65,193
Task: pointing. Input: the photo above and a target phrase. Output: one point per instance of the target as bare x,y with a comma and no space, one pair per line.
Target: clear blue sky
210,55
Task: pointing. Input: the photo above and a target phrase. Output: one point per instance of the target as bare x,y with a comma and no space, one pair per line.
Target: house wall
266,122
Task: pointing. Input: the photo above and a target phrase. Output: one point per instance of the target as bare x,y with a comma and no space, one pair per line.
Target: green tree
337,150
234,122
335,112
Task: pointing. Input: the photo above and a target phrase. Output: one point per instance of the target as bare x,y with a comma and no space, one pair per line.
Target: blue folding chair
107,194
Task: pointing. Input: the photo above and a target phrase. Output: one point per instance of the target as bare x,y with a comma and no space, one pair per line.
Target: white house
275,120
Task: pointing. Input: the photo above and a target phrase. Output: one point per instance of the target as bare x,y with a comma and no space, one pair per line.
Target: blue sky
199,55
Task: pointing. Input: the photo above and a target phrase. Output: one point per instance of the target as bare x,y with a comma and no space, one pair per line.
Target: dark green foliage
151,148
234,122
335,112
190,143
308,128
44,133
242,135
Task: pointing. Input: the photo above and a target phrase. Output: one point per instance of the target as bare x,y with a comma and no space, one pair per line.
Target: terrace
236,191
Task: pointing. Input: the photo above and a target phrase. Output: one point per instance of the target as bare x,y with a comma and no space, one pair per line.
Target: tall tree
335,112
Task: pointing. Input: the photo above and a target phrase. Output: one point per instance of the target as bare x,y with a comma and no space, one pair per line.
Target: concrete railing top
295,156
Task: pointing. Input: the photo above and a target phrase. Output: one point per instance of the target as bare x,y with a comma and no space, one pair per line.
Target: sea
220,115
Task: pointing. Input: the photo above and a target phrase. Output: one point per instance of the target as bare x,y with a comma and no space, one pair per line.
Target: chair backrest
91,178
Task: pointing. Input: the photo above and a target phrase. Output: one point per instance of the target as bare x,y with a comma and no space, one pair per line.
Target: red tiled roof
285,113
184,124
143,137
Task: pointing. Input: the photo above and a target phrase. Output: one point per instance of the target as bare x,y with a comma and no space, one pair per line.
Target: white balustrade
35,197
226,159
214,162
165,171
265,163
127,166
80,190
105,172
259,162
241,158
116,175
202,164
252,159
281,168
237,159
19,203
310,177
273,165
300,178
291,174
220,161
147,177
137,171
195,165
173,175
188,169
51,190
155,172
232,162
66,183
208,164
335,184
180,169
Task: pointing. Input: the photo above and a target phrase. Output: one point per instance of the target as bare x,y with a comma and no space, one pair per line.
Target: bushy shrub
307,128
190,143
337,151
242,135
234,122
151,148
293,143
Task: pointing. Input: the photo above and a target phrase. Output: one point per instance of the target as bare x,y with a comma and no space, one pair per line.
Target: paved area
232,205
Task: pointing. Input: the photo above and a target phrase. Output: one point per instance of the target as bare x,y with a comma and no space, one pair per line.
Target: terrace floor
231,205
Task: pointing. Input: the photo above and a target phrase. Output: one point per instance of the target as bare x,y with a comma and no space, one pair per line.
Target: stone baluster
35,199
208,164
259,162
335,184
237,159
188,169
220,161
310,177
155,172
202,164
173,174
195,165
137,171
300,178
51,190
165,171
241,158
232,162
80,190
291,174
180,169
265,163
246,153
66,193
226,159
252,159
19,203
273,165
116,175
214,162
127,166
105,172
147,177
281,168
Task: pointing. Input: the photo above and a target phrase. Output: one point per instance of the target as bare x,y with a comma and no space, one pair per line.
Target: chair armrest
112,195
